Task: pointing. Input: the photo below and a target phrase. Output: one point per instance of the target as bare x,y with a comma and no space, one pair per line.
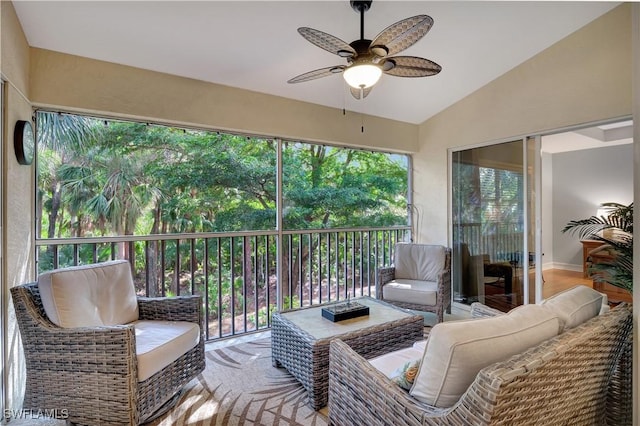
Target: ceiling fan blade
410,66
322,72
327,42
360,93
399,36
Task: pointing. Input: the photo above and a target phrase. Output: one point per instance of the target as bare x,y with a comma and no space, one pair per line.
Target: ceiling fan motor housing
361,6
361,46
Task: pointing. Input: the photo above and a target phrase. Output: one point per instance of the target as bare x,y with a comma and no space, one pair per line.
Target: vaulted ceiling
255,45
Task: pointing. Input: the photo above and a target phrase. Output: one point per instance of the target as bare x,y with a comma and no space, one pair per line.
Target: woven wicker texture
443,298
92,372
403,34
478,310
307,357
620,396
563,381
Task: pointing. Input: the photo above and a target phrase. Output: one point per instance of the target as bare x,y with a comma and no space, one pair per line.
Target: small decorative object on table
344,311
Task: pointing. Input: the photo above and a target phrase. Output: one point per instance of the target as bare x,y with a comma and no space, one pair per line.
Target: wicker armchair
92,372
564,380
411,262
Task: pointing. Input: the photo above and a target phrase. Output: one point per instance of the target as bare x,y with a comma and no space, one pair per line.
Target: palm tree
64,132
618,270
61,137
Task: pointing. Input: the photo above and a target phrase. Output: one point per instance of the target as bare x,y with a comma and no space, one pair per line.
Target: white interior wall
581,181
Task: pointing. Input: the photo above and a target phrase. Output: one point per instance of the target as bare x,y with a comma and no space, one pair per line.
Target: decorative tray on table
344,311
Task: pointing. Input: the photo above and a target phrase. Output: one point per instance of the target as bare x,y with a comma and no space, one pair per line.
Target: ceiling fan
366,59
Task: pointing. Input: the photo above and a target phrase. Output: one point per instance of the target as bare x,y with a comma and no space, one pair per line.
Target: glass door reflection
489,262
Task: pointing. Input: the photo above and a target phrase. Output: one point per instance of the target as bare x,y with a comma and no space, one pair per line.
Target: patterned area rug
239,386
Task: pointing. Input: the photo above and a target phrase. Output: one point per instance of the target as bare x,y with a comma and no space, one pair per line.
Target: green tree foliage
100,178
328,187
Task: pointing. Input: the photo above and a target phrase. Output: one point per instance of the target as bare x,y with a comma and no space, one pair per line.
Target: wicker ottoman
300,340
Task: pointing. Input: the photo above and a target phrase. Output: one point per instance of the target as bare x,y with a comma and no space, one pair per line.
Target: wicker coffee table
300,340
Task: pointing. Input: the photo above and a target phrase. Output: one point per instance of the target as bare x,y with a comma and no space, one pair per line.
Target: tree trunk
152,267
56,196
39,206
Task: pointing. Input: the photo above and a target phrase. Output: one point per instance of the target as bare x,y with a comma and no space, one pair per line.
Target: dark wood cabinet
587,246
614,294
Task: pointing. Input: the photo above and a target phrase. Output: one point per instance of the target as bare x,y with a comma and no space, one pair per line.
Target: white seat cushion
411,291
421,344
159,343
90,295
575,305
457,350
388,363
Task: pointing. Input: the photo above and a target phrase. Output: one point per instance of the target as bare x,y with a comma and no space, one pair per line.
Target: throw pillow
405,375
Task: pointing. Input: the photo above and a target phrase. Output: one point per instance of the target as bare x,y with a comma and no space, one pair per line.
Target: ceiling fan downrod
361,6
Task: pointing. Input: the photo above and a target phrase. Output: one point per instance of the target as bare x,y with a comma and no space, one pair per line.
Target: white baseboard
563,266
548,265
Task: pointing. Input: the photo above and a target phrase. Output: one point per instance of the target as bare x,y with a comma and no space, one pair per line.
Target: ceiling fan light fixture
362,76
368,59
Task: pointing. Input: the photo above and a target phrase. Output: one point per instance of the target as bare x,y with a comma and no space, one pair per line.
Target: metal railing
237,273
500,241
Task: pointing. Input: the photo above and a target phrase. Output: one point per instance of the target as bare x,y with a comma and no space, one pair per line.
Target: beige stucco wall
17,201
582,78
77,83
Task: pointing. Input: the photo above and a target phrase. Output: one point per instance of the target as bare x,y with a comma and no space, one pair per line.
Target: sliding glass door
492,213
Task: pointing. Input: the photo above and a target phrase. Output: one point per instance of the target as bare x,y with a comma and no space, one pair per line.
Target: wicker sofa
95,374
582,376
420,278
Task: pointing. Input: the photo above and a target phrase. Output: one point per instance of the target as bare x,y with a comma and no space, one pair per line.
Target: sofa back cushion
457,350
575,305
89,295
419,261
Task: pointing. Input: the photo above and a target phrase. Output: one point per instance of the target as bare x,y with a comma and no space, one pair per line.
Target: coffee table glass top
312,321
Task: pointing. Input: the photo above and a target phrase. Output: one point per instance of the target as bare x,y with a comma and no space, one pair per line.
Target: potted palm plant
616,269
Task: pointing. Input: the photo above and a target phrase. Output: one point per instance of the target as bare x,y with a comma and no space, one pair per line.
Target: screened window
327,187
101,177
